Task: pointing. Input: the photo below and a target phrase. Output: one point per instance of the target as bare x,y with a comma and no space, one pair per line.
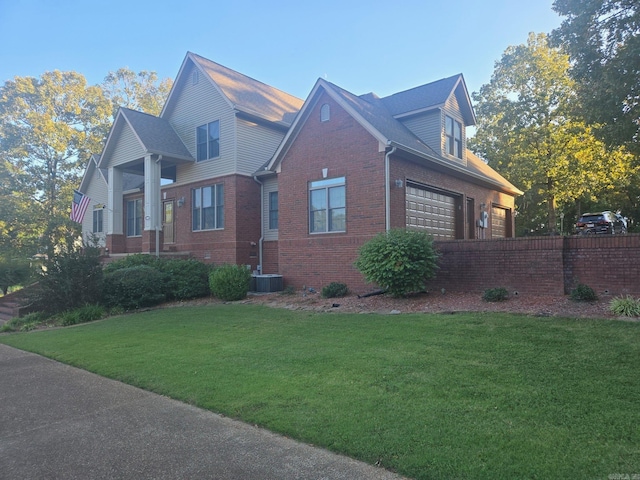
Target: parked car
601,222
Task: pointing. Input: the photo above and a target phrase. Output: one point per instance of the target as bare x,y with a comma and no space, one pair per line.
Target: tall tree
602,38
527,132
138,91
49,126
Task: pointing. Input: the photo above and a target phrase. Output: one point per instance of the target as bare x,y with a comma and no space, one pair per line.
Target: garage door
498,222
431,211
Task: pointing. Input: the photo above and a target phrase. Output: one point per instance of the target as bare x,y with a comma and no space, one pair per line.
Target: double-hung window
453,133
273,210
208,207
208,141
327,206
134,218
98,215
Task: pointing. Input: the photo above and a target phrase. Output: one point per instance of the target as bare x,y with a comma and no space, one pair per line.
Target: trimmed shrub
495,294
335,289
625,306
132,261
134,287
230,282
400,261
583,293
186,278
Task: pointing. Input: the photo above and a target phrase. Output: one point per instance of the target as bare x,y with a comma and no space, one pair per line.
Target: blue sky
362,46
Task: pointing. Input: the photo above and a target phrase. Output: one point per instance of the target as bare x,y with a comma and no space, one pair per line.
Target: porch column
152,202
114,211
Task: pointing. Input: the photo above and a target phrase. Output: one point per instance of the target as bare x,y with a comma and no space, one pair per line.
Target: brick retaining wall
541,265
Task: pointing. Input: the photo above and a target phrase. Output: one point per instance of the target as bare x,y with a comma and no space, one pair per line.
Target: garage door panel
431,211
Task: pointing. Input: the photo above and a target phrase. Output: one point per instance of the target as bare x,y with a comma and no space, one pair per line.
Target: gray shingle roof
156,134
421,98
249,95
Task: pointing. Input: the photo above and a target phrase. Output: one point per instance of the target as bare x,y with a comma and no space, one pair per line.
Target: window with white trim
208,141
207,207
327,206
134,218
325,113
453,135
98,224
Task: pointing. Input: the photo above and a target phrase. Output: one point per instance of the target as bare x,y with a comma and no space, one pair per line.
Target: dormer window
325,113
453,134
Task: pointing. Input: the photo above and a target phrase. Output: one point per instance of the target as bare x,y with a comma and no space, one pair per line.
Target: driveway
60,422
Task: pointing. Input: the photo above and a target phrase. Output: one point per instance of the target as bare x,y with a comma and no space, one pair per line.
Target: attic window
195,77
325,113
453,133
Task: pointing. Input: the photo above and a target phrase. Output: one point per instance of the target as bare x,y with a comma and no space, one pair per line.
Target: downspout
158,227
387,188
261,224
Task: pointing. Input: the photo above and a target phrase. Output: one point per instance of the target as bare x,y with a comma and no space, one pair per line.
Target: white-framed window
273,210
208,141
327,205
207,207
134,218
98,223
453,135
325,113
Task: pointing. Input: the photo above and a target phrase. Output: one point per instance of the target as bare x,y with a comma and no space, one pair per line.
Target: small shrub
625,306
335,289
583,293
134,287
495,295
399,261
230,282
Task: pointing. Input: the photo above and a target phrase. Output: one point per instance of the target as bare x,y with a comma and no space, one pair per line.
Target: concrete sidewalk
60,422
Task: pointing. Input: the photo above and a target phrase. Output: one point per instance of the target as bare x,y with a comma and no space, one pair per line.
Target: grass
430,396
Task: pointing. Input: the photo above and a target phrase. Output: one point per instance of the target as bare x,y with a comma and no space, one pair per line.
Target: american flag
79,206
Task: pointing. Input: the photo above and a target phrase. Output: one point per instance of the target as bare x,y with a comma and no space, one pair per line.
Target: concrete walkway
60,422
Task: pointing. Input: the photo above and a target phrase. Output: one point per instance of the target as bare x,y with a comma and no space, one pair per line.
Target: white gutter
387,188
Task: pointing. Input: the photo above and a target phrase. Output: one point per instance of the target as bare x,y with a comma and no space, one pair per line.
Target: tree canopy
528,131
602,38
49,128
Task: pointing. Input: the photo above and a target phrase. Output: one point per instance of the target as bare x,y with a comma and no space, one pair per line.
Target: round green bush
583,293
335,289
495,294
134,287
400,261
230,282
186,278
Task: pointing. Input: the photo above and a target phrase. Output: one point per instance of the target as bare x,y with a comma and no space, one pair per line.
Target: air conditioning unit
267,283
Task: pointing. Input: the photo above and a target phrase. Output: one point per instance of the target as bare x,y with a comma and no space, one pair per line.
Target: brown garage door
498,222
431,211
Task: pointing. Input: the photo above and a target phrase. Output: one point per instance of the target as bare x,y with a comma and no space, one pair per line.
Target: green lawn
430,396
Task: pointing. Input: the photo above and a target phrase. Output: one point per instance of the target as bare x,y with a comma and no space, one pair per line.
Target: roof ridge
440,80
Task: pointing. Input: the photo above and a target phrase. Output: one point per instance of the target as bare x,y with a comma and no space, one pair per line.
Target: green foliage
230,282
529,131
601,36
140,91
13,272
625,306
69,279
134,287
335,289
25,323
186,279
399,261
87,313
495,294
583,293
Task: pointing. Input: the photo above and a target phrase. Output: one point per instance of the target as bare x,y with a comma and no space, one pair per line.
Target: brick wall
541,265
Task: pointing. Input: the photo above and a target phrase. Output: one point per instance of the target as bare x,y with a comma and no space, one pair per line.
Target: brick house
236,171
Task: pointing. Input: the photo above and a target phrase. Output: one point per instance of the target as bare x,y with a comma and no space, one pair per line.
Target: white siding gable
195,105
127,147
97,192
256,145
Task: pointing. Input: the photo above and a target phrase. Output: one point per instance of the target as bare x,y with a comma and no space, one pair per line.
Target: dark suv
601,222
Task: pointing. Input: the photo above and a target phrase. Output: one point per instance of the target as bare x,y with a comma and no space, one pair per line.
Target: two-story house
236,171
